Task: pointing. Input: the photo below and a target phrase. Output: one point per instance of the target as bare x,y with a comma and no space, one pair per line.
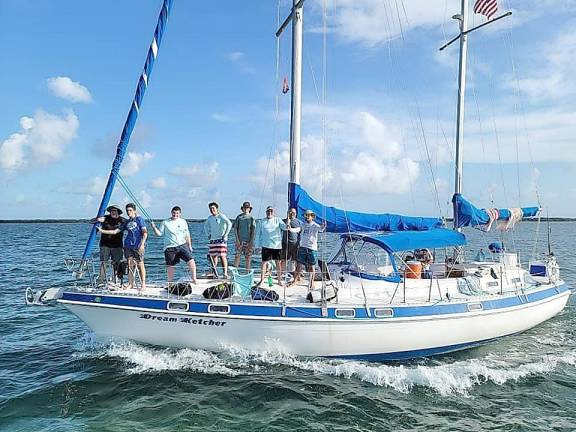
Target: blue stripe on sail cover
467,214
131,119
312,311
342,221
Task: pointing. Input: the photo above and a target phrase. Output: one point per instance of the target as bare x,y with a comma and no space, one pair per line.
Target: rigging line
324,143
272,151
425,141
133,197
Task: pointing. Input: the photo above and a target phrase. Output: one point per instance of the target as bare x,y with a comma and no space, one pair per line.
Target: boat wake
443,377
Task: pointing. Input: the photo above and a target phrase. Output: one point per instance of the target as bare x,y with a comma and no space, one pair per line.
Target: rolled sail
342,221
466,214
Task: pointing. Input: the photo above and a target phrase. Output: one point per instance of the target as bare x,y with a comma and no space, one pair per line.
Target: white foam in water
146,359
446,379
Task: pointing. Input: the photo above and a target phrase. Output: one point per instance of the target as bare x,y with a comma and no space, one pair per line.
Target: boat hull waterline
411,331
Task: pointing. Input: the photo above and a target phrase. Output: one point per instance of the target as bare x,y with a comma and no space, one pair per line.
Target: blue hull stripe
312,311
407,355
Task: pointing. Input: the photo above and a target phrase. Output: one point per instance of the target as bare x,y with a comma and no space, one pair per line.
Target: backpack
264,294
219,292
180,288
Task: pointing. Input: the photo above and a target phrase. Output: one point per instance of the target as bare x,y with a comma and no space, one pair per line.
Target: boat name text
196,321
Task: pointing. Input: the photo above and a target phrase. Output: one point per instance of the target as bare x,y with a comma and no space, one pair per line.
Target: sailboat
379,300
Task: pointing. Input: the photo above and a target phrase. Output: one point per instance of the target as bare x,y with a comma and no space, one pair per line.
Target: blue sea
56,376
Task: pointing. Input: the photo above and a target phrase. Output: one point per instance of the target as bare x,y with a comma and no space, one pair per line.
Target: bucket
413,270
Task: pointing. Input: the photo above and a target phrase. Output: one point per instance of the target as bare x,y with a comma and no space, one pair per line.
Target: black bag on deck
221,291
264,294
180,288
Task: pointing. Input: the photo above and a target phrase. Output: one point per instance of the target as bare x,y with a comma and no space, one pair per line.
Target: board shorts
289,251
173,255
217,248
107,253
270,254
133,253
307,256
244,249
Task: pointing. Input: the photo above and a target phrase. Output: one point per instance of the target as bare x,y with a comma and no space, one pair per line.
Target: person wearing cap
134,243
244,227
217,227
177,243
269,238
307,251
110,244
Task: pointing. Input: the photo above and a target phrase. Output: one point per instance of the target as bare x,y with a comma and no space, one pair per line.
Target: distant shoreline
86,221
61,221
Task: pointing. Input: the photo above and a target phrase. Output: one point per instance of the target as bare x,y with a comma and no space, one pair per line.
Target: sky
378,121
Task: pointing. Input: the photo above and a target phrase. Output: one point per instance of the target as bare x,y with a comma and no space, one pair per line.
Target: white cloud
238,58
134,162
42,140
221,117
65,88
365,157
145,199
158,183
197,175
556,65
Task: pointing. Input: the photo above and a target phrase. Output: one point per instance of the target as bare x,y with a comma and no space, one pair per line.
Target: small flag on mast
285,86
486,7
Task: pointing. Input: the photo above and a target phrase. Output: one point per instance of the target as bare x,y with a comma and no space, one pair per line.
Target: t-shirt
290,237
134,227
217,227
244,224
111,240
309,235
269,233
174,232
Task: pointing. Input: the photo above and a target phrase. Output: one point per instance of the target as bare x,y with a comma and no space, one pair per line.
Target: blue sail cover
410,240
341,221
131,119
466,214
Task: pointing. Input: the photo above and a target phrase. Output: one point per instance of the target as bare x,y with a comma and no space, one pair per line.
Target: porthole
383,313
178,306
345,313
219,308
473,307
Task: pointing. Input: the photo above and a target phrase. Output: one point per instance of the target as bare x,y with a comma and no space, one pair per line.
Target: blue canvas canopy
341,221
466,214
410,240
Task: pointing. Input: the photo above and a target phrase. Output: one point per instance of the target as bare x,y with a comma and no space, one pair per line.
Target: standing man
290,239
134,243
110,244
269,238
177,243
244,229
308,246
217,227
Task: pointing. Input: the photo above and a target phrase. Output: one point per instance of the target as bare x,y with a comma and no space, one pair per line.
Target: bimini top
409,240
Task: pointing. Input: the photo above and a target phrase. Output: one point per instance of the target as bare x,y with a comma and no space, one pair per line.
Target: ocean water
56,376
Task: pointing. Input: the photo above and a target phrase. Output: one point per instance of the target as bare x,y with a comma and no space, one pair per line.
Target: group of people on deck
280,240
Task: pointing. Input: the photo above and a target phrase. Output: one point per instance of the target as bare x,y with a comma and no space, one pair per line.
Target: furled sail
466,214
342,221
131,119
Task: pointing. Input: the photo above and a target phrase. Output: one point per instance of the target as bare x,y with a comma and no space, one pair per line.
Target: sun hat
114,207
309,212
269,208
246,205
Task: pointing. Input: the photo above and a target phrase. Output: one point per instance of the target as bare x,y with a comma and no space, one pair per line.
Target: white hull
385,338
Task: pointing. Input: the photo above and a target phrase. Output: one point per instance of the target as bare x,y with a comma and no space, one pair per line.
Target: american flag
486,7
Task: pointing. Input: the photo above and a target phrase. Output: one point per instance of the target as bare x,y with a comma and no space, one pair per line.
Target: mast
463,18
296,99
131,119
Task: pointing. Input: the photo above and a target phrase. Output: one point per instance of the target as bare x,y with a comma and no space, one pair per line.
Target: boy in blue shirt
134,243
